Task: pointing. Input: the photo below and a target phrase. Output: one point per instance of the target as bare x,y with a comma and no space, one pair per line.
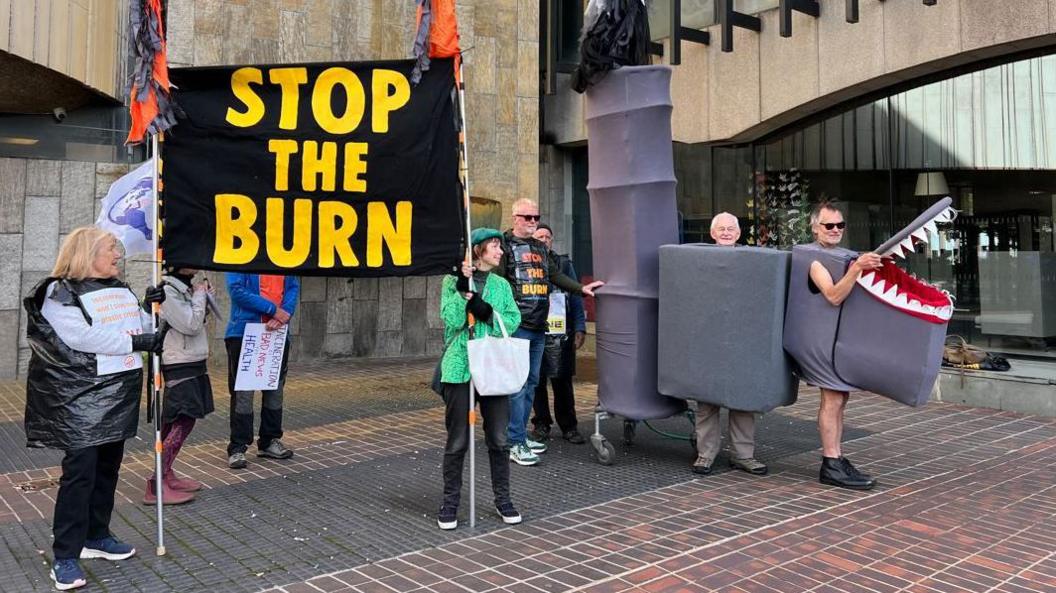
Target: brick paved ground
967,502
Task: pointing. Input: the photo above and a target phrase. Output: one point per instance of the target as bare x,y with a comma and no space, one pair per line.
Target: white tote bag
498,366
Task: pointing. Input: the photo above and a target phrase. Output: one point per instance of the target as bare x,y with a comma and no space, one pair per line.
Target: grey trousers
709,434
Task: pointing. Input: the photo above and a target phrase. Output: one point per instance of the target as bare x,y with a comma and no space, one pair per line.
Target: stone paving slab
353,510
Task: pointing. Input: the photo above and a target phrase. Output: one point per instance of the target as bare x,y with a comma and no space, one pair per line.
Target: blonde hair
78,252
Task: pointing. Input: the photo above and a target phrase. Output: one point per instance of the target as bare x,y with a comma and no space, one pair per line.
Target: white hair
525,202
715,220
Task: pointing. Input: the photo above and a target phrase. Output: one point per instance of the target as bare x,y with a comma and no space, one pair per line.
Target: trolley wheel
604,452
629,428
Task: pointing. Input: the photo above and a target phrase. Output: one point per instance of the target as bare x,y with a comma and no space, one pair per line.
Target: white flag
128,210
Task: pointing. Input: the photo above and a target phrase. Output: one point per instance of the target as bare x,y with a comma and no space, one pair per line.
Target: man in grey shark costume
827,224
862,323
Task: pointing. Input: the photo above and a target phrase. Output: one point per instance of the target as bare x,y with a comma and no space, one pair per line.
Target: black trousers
564,404
86,497
242,404
495,412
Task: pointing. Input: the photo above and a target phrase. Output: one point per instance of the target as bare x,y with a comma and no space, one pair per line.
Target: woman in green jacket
491,296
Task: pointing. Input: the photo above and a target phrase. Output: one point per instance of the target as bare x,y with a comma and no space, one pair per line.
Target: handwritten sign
260,361
114,309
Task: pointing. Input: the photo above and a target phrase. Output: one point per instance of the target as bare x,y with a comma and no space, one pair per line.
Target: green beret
482,234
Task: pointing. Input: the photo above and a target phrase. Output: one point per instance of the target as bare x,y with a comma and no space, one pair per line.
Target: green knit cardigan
454,368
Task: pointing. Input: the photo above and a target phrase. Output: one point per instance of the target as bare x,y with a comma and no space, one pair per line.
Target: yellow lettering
288,80
380,230
322,108
275,233
240,81
235,215
282,149
316,163
383,102
337,223
355,166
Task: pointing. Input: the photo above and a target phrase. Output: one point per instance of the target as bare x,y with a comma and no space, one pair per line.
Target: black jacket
530,268
68,406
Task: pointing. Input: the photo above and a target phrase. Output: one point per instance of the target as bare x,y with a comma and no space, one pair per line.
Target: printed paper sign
555,321
260,361
115,309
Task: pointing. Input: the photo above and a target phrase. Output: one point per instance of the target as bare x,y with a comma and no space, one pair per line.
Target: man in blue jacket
272,300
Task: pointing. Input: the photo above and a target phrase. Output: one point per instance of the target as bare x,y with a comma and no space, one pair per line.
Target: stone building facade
41,200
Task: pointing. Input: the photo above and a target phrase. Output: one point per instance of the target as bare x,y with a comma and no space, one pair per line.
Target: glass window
86,134
987,139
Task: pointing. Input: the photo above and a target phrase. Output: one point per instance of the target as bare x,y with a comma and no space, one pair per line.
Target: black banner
313,169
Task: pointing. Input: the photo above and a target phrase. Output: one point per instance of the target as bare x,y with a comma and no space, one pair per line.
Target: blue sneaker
108,548
67,574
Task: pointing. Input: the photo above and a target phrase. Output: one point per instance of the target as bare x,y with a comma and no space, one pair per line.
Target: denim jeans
521,402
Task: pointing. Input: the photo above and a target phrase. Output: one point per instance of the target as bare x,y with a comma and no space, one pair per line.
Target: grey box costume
720,326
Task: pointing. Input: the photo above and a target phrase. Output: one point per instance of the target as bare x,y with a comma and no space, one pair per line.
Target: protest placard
260,361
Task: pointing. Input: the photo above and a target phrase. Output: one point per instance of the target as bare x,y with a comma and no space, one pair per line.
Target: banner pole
154,359
464,174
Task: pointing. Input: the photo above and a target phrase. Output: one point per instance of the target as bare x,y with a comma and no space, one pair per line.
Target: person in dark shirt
531,268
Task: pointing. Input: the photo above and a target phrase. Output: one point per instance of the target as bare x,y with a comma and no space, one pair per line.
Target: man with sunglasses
828,225
530,268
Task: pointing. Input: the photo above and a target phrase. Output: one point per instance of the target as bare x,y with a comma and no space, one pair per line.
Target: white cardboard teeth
867,278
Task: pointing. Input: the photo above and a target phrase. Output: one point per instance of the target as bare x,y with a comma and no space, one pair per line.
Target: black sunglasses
529,217
834,225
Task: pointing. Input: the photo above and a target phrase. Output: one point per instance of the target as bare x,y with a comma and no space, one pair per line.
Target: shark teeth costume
887,336
901,290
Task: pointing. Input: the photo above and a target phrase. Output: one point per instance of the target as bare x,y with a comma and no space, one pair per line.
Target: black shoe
447,517
508,512
574,437
541,433
838,471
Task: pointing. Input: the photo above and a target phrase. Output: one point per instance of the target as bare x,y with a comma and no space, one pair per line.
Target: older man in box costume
859,322
725,230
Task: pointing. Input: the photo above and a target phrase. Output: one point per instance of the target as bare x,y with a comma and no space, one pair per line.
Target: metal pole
154,359
464,174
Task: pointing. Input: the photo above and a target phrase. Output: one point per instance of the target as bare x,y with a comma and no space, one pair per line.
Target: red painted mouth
895,288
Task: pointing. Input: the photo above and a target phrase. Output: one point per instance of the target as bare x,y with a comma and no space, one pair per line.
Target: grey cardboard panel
720,326
883,350
626,351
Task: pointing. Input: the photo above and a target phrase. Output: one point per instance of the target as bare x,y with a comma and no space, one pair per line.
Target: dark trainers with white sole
108,548
509,514
67,574
447,517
